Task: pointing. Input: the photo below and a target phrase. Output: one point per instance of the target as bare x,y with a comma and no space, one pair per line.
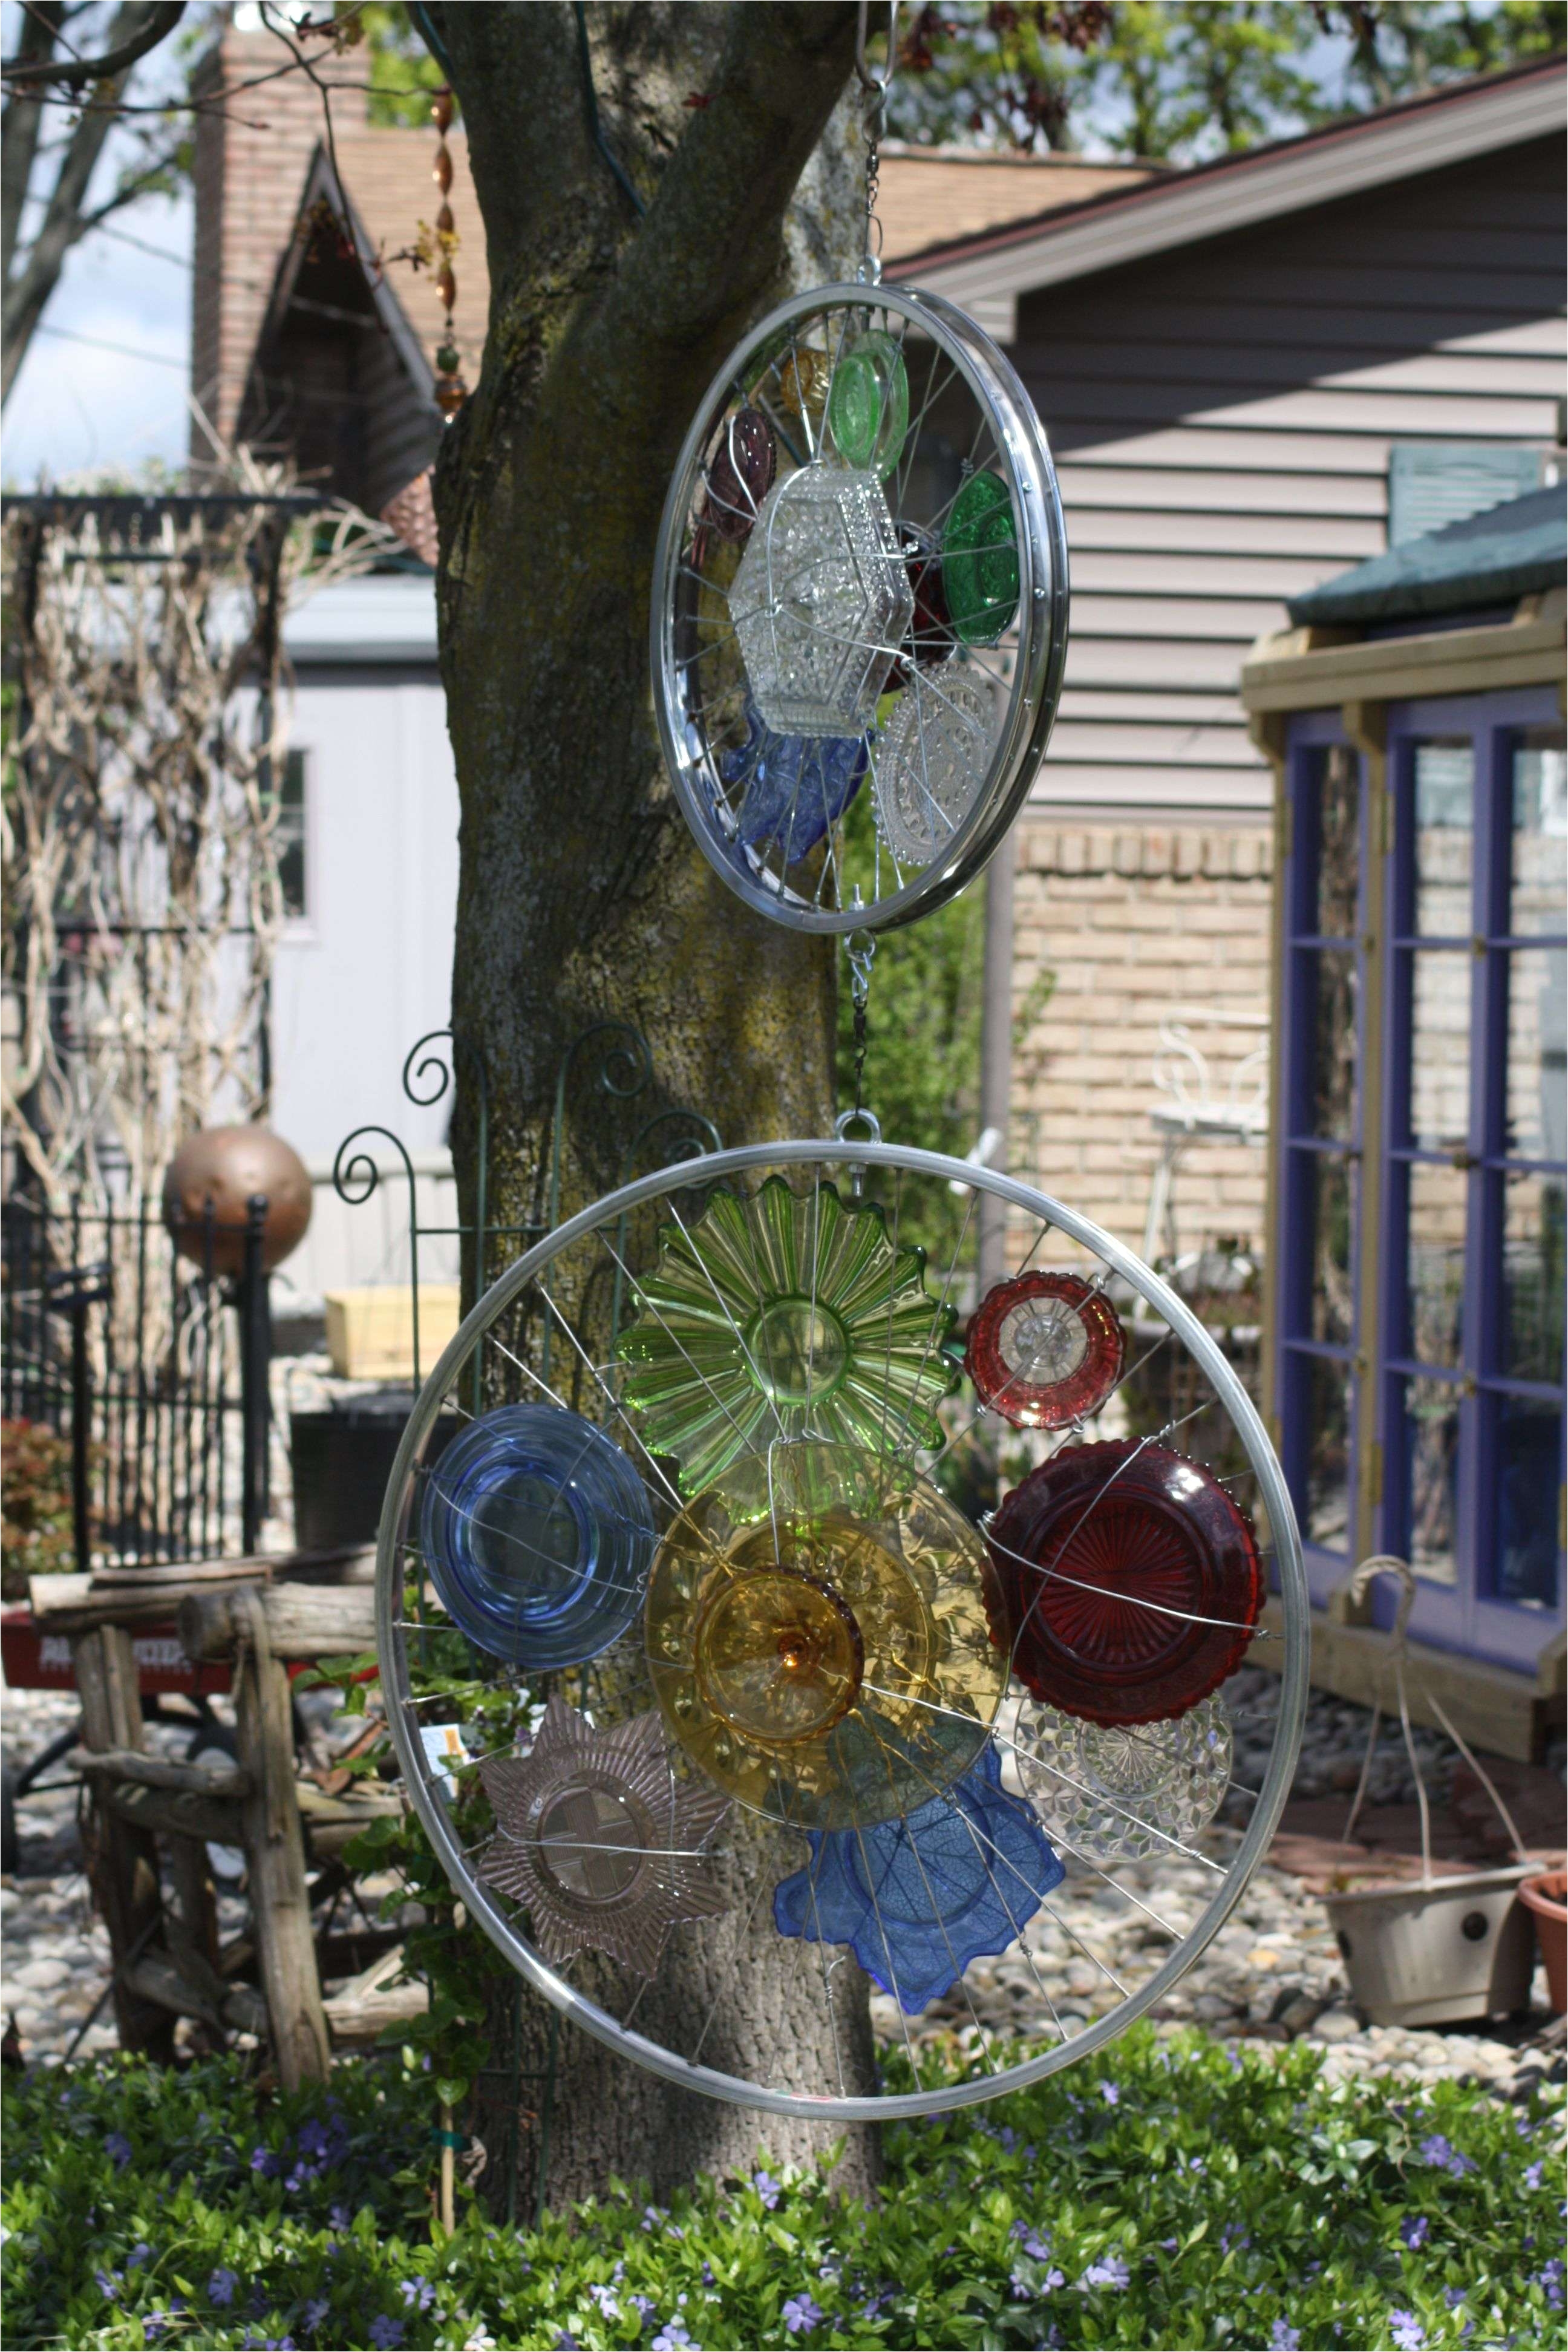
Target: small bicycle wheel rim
828,1163
855,888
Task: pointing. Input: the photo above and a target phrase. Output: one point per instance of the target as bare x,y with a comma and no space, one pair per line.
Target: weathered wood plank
162,1771
121,1859
158,1978
274,1844
175,1812
303,1620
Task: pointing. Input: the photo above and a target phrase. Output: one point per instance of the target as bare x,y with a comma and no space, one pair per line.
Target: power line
121,351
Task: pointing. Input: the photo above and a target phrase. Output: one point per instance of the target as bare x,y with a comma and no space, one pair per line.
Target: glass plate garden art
860,585
745,1674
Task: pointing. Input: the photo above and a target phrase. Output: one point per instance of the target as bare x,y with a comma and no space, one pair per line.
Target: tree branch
20,126
28,288
75,73
713,237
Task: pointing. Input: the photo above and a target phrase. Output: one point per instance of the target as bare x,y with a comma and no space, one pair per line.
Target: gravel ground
1272,1974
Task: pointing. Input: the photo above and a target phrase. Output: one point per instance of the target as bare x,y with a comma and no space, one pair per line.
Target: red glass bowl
1043,1350
1089,1537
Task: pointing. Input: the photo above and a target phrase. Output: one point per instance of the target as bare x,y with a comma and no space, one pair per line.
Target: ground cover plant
1172,2194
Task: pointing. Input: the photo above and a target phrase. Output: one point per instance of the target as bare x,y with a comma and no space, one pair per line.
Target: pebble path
1272,1973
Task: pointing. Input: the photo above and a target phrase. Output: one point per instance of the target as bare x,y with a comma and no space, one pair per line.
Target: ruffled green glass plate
778,1315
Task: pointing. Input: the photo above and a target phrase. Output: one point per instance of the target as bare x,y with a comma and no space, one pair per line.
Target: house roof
387,177
933,196
320,182
986,272
1490,559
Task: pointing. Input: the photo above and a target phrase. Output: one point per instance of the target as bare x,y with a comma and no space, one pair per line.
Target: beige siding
1222,421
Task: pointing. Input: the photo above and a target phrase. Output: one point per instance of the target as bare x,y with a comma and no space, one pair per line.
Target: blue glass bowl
537,1535
796,785
918,1899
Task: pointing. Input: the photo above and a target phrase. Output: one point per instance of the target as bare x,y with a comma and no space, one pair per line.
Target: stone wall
1138,925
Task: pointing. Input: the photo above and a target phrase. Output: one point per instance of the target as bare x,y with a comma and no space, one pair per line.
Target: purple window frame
1467,1615
1297,1351
1464,1616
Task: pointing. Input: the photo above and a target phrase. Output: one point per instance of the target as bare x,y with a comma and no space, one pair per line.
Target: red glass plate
741,475
1113,1525
1043,1350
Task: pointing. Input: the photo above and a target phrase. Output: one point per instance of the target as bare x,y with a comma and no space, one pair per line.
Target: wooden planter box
370,1331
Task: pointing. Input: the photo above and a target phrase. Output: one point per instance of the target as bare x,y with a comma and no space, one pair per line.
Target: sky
77,406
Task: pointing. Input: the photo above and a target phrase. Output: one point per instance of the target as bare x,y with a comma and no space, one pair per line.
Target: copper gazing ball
227,1166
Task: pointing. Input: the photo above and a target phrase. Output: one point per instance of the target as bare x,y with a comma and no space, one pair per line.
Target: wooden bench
150,1818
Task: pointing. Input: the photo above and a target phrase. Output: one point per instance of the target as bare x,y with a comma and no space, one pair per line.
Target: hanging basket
1437,1954
1448,1947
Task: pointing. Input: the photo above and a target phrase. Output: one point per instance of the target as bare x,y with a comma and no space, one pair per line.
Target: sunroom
1413,1345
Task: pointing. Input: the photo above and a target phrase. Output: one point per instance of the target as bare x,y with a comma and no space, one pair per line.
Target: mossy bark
581,897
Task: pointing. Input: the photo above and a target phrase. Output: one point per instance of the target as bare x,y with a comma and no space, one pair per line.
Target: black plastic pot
343,1460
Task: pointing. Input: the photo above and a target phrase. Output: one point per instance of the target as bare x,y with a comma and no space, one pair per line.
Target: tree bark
581,898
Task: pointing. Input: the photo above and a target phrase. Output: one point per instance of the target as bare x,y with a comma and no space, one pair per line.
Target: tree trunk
581,898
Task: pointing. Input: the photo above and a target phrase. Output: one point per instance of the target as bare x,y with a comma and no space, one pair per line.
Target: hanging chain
875,86
860,948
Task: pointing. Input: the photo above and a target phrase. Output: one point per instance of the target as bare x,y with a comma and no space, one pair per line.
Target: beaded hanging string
875,88
450,390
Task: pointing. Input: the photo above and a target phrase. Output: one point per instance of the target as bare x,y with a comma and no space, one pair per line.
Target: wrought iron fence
153,1367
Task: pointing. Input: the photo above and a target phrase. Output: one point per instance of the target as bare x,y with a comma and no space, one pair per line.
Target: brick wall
1135,923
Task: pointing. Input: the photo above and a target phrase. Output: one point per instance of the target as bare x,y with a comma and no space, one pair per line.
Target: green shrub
1171,2194
36,1525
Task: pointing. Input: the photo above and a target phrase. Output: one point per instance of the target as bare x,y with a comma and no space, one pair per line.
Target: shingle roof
1487,560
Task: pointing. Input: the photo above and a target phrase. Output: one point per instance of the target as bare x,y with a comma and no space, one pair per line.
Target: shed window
290,837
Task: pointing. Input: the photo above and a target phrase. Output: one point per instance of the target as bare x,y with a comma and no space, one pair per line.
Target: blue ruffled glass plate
918,1899
796,786
537,1536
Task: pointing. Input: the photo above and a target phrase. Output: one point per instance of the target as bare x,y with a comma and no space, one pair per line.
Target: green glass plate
782,1314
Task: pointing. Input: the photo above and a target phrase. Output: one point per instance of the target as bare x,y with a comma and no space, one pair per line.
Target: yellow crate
370,1332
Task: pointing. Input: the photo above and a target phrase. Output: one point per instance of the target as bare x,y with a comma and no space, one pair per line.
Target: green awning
1489,559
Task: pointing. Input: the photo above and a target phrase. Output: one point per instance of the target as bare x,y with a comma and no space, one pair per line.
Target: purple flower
1111,2271
1532,2176
153,2325
1416,2229
137,2256
801,2314
417,2293
1407,2331
644,2304
1549,2281
221,2287
315,2310
262,2161
340,2217
108,2286
1436,2149
709,2278
1008,2138
672,2337
768,2188
1110,2094
1233,2234
117,2147
312,2139
565,2342
604,2296
1285,2338
384,2332
1035,2246
1454,2296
